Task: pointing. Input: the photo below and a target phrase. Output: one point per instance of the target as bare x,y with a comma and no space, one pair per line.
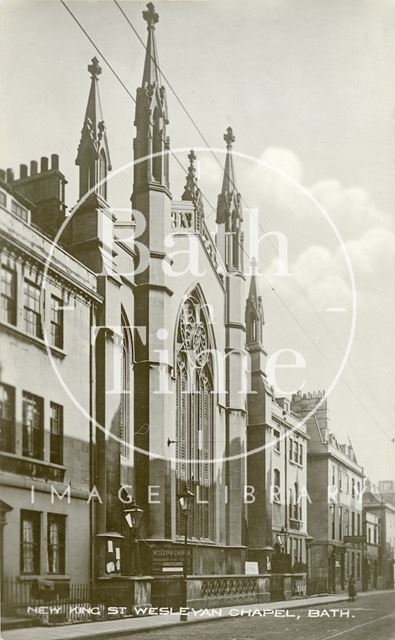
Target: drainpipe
92,443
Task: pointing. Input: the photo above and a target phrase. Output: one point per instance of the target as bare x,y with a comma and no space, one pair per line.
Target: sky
309,90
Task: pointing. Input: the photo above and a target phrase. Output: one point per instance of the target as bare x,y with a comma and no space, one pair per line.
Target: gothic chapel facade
163,379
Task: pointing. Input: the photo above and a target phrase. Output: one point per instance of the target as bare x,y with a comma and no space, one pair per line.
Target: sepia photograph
197,349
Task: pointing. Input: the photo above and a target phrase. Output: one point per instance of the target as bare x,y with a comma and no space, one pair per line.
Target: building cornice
337,455
70,281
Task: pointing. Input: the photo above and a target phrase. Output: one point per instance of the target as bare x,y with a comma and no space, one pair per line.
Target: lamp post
133,515
185,499
283,535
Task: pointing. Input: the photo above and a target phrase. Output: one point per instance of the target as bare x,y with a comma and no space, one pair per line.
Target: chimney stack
45,188
54,162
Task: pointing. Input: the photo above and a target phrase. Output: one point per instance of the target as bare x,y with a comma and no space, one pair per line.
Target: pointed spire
151,119
191,189
151,66
93,105
93,144
229,198
228,182
253,293
254,309
229,213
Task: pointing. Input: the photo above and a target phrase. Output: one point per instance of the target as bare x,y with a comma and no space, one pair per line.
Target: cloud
352,209
319,267
320,273
285,161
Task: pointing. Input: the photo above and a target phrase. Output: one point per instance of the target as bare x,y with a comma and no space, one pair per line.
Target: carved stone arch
195,292
126,331
194,367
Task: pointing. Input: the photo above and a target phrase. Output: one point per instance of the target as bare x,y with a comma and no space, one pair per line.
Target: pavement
129,626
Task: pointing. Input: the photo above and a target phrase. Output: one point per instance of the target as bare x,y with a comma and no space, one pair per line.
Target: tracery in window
195,416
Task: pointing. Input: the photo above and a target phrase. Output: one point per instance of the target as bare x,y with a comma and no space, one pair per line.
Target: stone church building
133,369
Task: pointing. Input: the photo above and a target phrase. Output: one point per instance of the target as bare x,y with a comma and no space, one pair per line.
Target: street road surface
371,618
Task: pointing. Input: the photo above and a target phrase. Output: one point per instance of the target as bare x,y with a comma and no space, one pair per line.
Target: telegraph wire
212,207
114,73
199,131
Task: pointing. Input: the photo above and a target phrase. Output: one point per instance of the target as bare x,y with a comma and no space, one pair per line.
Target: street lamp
185,499
133,515
283,535
283,558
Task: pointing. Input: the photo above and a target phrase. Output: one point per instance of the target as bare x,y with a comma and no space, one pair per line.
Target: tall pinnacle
254,309
191,189
151,118
93,113
151,64
229,198
253,295
93,144
228,182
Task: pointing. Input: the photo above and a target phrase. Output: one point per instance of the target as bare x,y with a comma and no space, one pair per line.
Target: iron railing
65,602
223,586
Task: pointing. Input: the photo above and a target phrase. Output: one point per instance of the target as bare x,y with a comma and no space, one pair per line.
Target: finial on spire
192,158
150,16
229,137
94,68
254,264
93,144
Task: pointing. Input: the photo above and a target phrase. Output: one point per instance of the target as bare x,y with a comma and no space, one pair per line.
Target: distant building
385,514
335,485
276,464
386,490
371,531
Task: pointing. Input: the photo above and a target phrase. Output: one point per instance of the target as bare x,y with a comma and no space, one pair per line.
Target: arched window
157,148
296,505
102,174
253,327
87,173
125,414
235,243
277,485
195,416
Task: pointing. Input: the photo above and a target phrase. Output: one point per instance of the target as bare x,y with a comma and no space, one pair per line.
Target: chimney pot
54,161
44,164
22,171
2,174
10,176
33,167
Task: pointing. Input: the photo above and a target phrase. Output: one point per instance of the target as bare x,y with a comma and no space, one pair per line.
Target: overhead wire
286,306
